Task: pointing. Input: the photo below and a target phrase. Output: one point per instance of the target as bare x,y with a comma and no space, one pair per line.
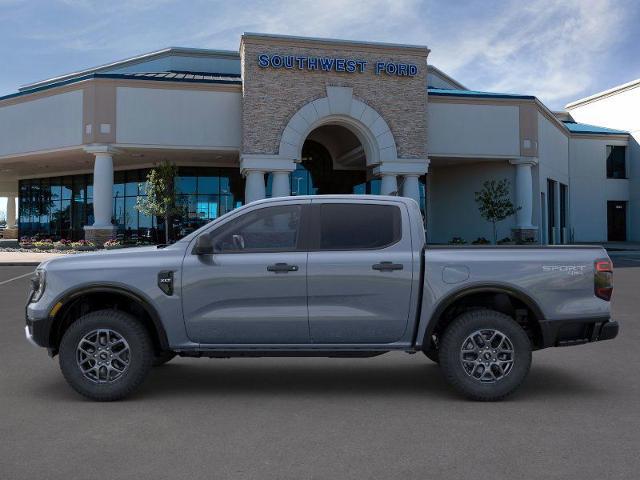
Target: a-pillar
524,229
102,228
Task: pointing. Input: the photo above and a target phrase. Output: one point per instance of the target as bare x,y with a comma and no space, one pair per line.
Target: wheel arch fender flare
68,299
489,288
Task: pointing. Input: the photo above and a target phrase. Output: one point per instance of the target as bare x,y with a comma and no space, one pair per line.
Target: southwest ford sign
334,64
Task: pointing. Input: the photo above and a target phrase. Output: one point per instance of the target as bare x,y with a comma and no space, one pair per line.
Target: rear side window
353,226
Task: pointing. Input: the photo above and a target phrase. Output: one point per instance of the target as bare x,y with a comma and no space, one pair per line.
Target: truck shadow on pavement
216,377
342,380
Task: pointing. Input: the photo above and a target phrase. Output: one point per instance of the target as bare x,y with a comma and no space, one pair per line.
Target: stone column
524,230
102,228
280,186
254,186
389,184
411,188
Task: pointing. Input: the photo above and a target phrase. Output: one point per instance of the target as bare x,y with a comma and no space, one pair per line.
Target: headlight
38,284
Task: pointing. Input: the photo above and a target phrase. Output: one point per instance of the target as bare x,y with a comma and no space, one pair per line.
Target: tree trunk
166,229
495,234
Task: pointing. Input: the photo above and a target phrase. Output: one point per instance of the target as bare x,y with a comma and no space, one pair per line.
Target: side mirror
203,245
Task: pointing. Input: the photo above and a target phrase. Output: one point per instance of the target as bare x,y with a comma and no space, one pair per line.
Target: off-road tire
451,347
140,358
163,357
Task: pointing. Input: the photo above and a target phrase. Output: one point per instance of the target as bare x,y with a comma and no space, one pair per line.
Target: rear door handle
282,268
387,266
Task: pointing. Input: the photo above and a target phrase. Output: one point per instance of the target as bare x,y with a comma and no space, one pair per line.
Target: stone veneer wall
272,96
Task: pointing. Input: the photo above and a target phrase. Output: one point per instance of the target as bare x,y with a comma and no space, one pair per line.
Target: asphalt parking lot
393,416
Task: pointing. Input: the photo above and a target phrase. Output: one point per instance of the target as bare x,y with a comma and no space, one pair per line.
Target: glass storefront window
60,207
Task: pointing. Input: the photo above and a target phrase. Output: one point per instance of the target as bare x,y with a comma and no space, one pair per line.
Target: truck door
252,288
359,271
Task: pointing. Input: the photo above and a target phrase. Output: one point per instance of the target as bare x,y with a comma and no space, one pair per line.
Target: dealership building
293,116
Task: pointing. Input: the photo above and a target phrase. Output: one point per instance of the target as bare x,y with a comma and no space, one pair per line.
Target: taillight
603,279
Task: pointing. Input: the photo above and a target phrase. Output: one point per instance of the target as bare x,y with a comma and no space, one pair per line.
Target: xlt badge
165,282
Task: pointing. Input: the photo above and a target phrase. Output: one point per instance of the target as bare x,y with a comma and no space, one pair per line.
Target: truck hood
106,258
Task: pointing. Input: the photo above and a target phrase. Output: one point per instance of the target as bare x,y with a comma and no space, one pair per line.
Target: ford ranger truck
329,276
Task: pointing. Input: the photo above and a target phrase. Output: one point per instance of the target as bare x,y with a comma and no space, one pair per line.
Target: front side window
271,229
352,226
616,165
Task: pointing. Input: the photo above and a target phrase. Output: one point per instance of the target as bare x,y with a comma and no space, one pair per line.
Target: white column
280,186
524,192
254,186
411,187
389,184
103,189
11,212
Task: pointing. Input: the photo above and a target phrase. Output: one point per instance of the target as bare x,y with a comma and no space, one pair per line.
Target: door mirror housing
203,246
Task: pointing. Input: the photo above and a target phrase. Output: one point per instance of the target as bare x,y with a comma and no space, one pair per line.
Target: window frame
301,241
315,227
608,150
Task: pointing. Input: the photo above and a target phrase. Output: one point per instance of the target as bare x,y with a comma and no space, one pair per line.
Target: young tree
160,200
494,203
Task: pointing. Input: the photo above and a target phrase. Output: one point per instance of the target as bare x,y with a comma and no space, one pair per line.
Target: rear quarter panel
558,280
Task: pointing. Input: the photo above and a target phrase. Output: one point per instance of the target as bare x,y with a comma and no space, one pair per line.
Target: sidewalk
25,259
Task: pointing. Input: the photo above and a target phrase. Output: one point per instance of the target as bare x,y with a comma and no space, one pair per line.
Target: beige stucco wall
272,96
178,117
46,123
473,129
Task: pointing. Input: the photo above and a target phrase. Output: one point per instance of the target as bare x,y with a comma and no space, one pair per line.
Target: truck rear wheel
485,355
105,355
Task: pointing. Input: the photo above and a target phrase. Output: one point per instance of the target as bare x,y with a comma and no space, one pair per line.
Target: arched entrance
332,161
334,144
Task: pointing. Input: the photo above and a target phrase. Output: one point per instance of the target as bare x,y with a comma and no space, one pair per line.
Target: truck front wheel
105,355
485,355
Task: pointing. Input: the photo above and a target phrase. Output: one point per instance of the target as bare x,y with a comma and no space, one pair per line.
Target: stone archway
339,107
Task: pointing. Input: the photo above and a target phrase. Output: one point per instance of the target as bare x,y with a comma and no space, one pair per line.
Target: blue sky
557,50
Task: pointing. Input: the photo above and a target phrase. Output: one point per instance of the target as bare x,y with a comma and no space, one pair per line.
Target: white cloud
549,48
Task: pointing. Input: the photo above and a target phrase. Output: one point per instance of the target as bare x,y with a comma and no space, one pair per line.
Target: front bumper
29,334
565,333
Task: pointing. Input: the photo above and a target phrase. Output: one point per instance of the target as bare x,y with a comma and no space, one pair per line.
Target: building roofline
121,76
445,92
605,93
447,77
336,41
132,61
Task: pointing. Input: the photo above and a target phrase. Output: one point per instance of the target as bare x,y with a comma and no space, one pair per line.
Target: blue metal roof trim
444,92
227,79
575,127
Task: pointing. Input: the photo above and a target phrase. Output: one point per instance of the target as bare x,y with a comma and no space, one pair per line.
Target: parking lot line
16,278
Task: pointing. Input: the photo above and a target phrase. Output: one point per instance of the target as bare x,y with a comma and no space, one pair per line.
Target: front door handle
282,268
387,266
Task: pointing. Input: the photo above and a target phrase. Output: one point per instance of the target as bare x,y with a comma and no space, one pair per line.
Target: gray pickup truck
333,276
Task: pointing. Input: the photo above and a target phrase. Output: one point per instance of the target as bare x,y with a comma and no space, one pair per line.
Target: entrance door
617,221
359,272
252,289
